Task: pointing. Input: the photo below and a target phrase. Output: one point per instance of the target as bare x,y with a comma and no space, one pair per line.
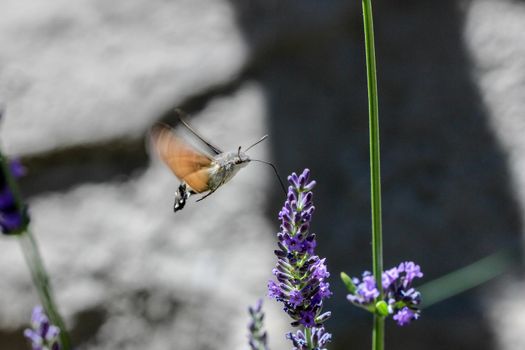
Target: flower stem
34,260
378,333
42,285
308,336
375,171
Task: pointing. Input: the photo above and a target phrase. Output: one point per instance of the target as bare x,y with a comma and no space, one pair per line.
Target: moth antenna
274,169
239,152
256,143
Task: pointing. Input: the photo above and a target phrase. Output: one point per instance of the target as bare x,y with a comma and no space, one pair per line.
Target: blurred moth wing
192,167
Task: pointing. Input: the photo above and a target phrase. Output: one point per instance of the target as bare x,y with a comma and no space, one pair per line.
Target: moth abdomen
181,196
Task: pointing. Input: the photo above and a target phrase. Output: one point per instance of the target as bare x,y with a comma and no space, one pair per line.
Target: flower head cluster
12,217
318,339
257,336
366,290
300,274
401,299
43,335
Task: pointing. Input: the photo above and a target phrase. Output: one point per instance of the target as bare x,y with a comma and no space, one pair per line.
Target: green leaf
348,283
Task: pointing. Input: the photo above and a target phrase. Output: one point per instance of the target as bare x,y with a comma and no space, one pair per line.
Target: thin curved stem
375,170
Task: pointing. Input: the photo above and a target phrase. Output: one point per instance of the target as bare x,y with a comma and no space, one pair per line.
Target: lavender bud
257,337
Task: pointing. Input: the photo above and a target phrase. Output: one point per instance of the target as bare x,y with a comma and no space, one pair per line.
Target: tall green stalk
375,171
34,262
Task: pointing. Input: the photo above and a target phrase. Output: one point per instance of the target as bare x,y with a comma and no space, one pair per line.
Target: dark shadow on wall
446,194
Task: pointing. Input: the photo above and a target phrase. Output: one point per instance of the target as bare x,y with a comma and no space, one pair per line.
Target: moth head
242,158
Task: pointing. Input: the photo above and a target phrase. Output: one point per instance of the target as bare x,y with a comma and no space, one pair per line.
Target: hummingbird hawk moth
198,172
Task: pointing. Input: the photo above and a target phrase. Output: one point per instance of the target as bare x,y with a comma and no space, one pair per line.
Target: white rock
494,33
85,71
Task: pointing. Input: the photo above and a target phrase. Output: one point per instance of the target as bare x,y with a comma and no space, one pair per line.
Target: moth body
225,166
198,172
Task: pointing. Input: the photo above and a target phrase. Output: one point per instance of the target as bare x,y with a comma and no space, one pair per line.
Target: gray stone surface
86,71
495,33
82,82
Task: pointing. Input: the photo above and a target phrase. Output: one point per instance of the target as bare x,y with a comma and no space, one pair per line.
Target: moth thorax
226,166
232,159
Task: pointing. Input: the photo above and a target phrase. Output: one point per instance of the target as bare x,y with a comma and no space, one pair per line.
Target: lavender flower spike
43,335
13,218
300,275
257,336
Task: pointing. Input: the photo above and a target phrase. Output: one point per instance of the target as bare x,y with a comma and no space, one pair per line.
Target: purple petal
6,198
310,185
307,318
10,222
404,316
293,180
16,168
296,298
389,277
273,290
33,336
52,333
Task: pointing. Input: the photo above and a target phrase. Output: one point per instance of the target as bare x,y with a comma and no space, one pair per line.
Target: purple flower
12,218
257,336
411,271
318,339
389,276
294,243
17,168
324,290
6,198
43,335
300,274
273,290
405,316
296,298
307,318
366,291
319,270
403,301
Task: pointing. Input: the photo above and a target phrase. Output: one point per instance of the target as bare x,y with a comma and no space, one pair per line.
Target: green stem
308,336
378,333
41,281
34,260
375,171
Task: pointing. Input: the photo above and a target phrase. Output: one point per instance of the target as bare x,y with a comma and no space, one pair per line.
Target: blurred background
82,81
